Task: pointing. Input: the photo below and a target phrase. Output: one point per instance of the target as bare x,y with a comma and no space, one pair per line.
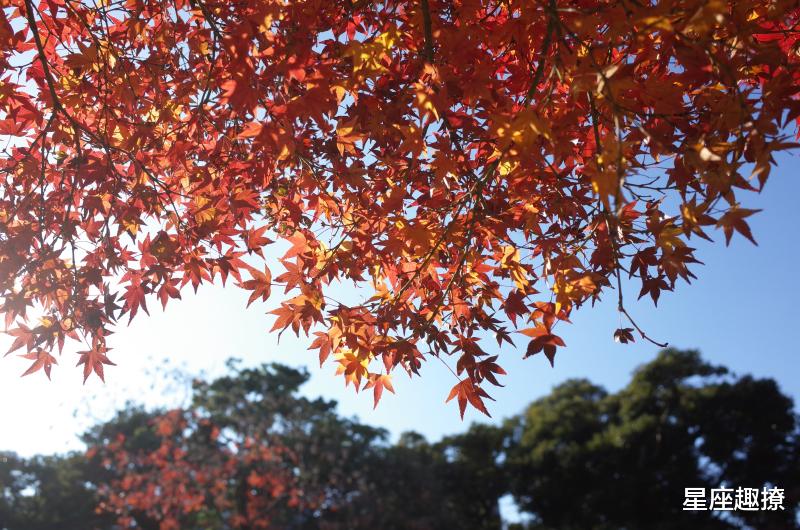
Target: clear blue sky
741,312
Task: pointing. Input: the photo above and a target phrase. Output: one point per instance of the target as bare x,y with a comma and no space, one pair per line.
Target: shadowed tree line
251,453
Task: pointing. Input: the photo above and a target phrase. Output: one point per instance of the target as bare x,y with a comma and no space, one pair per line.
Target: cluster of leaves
477,167
182,478
577,458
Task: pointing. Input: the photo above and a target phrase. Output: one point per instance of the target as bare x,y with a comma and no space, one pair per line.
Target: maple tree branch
548,36
211,22
29,9
641,332
426,22
611,235
354,6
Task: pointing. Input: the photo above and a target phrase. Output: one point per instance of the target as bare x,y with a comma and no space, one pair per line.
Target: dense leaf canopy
477,168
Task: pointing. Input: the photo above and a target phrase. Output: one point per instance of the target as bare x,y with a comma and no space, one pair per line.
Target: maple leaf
732,220
134,298
487,369
260,284
41,359
377,383
353,367
293,276
255,240
24,336
323,343
624,335
93,361
653,286
468,392
543,341
167,291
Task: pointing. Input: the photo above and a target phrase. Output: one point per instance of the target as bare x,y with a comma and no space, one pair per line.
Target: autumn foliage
476,168
248,452
186,473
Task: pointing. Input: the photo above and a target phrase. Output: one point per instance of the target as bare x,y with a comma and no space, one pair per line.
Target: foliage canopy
479,168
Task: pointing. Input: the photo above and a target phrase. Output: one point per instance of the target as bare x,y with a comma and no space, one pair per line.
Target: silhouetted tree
581,458
48,493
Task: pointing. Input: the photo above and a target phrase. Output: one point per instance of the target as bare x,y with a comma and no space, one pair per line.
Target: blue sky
741,312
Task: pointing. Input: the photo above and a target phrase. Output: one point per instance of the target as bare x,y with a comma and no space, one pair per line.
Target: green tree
414,484
48,493
474,475
582,458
